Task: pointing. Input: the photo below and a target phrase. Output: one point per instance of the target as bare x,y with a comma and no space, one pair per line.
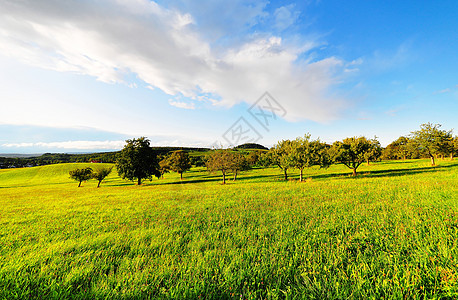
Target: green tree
305,153
81,175
453,147
351,152
264,159
101,173
279,155
220,160
432,139
197,160
239,163
137,161
164,166
180,162
374,152
254,157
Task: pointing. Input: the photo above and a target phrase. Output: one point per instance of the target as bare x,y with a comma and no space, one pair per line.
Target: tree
81,175
305,153
431,139
453,147
239,163
400,148
279,156
220,160
179,162
253,157
197,160
164,166
265,159
351,152
101,173
374,152
137,161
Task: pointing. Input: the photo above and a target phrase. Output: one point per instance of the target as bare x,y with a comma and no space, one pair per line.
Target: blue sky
82,76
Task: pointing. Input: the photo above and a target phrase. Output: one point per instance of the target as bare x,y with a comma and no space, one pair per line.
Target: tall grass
390,233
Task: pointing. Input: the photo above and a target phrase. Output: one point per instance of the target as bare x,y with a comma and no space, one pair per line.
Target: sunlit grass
392,232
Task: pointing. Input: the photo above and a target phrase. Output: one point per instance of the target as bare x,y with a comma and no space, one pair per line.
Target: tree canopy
305,153
432,139
279,156
101,173
180,162
137,161
81,175
351,152
220,160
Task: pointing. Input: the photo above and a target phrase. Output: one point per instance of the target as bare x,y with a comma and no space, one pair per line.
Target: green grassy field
390,233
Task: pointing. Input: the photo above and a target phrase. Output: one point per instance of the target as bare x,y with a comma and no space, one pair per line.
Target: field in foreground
390,233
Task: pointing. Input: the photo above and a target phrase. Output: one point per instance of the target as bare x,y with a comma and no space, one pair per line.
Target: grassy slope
390,233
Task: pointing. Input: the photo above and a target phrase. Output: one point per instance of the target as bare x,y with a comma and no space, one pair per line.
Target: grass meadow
390,233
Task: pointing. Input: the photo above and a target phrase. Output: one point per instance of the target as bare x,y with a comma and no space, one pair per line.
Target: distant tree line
58,158
138,161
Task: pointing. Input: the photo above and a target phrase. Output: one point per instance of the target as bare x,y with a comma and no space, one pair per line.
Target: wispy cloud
167,49
181,104
77,145
447,90
285,16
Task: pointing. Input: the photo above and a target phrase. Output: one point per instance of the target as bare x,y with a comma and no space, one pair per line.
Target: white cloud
285,16
181,104
163,47
79,145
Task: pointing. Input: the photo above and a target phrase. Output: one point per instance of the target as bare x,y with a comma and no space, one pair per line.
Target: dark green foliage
179,162
164,166
101,173
81,175
251,146
197,160
137,161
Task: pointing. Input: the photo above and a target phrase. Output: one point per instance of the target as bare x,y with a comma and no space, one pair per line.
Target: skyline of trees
138,161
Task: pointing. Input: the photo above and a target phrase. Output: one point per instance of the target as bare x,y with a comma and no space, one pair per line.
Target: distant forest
57,158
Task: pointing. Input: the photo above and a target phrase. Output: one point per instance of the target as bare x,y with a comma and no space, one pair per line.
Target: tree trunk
368,162
354,172
300,176
98,185
286,174
451,155
224,178
80,183
235,175
432,161
181,175
139,181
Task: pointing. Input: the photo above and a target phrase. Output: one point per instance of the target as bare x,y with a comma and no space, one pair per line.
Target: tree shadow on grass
202,178
192,181
407,171
386,173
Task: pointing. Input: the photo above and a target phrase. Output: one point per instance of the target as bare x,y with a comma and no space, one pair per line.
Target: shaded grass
332,236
